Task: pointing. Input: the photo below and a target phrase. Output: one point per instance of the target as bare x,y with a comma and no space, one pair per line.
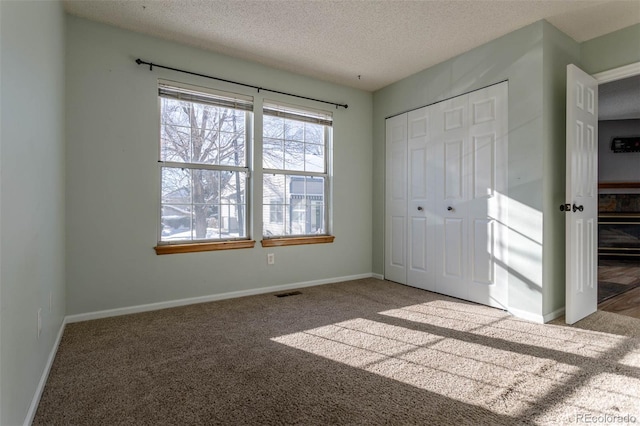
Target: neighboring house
293,213
79,195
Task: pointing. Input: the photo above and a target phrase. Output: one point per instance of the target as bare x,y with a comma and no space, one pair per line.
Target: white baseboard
526,315
540,319
43,379
553,315
378,276
202,299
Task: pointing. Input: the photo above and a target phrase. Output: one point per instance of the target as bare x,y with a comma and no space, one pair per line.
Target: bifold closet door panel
451,164
420,240
396,200
487,203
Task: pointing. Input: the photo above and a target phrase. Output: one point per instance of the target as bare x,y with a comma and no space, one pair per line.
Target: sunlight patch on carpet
487,358
500,380
448,315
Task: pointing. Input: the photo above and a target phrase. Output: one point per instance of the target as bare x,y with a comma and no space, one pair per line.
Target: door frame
619,73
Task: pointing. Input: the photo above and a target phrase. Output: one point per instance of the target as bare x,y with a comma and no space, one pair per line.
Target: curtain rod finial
138,61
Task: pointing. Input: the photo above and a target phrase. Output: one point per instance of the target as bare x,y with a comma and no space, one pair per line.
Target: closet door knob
450,208
420,208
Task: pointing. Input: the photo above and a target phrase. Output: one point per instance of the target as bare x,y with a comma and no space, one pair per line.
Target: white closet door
470,162
446,202
396,200
487,203
420,241
450,165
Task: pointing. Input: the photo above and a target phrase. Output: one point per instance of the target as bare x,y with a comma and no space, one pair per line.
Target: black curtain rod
151,65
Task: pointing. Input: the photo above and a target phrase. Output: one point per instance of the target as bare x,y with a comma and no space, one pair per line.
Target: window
296,168
204,170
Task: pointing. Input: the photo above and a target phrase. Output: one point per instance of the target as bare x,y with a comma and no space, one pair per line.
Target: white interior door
420,242
487,203
581,195
396,200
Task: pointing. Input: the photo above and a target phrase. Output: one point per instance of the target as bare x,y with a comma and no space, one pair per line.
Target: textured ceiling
359,43
619,100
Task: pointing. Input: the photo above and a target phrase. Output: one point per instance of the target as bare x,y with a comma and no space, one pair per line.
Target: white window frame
325,118
205,93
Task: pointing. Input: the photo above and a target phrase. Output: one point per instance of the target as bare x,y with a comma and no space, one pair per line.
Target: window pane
233,187
176,222
217,118
204,221
202,134
294,156
314,133
175,143
302,143
293,130
316,217
273,220
203,116
274,188
314,158
298,217
204,146
274,210
176,186
293,205
232,150
273,127
175,112
200,204
206,197
232,220
272,154
232,121
206,186
233,204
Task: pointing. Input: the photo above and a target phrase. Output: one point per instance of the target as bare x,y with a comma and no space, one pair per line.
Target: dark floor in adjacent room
619,287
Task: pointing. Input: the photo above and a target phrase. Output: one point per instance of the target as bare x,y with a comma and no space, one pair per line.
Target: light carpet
359,352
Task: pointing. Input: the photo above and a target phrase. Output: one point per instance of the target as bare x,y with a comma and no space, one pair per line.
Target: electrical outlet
271,258
39,322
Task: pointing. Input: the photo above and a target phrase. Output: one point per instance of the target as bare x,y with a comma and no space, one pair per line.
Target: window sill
196,247
295,241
